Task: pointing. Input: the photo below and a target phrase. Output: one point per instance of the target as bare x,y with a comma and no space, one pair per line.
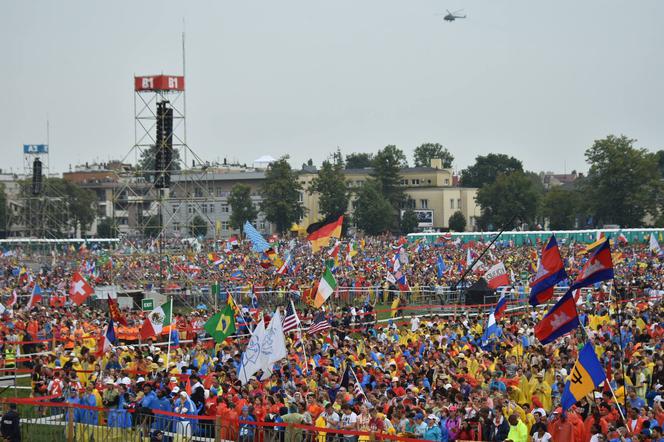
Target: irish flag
156,321
326,287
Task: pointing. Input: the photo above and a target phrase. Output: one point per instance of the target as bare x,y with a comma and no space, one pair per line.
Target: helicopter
451,16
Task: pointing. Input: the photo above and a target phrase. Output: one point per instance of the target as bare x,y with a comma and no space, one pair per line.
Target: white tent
264,161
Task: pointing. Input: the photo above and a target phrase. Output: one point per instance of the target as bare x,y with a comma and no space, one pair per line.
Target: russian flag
560,320
550,271
35,296
501,306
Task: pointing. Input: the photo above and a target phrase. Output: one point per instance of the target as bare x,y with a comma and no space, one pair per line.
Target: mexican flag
326,287
156,321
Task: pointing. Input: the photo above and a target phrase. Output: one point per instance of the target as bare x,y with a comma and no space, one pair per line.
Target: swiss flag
79,289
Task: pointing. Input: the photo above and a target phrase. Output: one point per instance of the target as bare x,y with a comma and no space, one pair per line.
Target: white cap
126,381
174,379
149,358
658,398
395,379
140,379
176,389
432,417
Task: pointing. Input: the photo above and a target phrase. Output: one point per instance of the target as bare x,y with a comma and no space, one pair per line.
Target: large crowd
420,376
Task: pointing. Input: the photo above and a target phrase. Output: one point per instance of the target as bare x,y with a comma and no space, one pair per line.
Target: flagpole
170,324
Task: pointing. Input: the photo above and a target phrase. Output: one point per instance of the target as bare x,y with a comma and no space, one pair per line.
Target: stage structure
44,206
167,177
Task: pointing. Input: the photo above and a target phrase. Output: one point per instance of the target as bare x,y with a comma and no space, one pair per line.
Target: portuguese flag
156,321
321,237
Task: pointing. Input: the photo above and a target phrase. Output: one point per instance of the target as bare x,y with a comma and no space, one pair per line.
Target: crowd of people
419,376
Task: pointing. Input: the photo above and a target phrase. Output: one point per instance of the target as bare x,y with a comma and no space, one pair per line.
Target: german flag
321,237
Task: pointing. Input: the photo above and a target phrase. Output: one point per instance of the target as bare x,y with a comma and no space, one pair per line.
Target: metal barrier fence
69,422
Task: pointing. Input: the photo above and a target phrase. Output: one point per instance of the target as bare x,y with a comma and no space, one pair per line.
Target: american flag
291,321
320,324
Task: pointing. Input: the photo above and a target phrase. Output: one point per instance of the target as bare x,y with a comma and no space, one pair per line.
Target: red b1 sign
159,83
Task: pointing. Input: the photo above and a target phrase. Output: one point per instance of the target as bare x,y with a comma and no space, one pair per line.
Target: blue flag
440,266
585,377
258,243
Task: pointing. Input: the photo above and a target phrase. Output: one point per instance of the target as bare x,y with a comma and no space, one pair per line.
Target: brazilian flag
221,325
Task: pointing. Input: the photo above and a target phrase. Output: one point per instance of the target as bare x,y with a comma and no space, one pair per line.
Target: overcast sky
537,80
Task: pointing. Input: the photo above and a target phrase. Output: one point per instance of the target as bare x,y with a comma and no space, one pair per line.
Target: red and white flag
79,289
497,276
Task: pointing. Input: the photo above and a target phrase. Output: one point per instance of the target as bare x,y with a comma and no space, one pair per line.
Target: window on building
224,208
424,204
300,197
428,181
415,182
176,207
224,225
204,208
190,208
198,193
459,203
447,181
403,182
261,225
176,227
451,203
211,207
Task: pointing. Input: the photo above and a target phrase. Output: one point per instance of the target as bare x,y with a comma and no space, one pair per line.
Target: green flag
221,325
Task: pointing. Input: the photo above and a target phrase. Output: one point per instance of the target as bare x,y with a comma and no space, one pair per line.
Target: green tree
242,208
146,162
561,208
623,184
387,165
359,160
487,168
373,212
332,189
4,213
409,222
199,226
281,195
424,153
660,161
457,222
152,227
510,195
107,228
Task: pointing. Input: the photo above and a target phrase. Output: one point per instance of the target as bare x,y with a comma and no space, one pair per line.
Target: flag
233,242
107,339
492,329
550,271
560,320
221,325
79,289
321,236
599,267
273,347
501,306
258,243
291,321
12,300
585,377
320,324
347,377
156,320
251,358
237,275
2,309
326,287
35,296
497,276
654,247
115,313
622,238
274,258
215,259
440,266
284,266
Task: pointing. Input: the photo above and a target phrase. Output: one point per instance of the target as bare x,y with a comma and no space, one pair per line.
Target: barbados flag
550,271
599,267
560,320
585,377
